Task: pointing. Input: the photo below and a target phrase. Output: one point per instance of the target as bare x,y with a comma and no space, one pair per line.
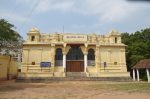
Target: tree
10,40
138,46
7,31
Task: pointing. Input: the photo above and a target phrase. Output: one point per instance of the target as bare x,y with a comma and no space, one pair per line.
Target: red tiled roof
145,63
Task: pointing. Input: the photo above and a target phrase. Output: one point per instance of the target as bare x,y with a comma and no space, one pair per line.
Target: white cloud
43,6
106,10
78,26
13,17
24,2
105,14
109,10
48,5
118,11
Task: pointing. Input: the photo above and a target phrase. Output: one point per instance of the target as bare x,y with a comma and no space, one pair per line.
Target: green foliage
10,40
7,31
138,46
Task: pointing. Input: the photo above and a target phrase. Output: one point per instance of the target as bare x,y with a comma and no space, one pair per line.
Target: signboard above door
75,38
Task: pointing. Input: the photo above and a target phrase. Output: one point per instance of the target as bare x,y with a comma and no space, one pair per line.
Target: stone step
76,74
50,79
38,70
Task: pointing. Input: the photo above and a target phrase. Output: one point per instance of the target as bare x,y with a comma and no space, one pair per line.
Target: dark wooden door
75,66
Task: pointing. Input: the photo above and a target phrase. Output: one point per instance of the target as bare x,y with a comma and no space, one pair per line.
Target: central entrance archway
75,59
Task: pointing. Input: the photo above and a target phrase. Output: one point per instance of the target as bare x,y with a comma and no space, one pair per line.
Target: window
75,53
115,63
33,63
91,57
115,39
58,57
32,38
105,64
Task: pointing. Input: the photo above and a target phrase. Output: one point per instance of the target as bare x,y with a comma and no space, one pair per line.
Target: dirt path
64,90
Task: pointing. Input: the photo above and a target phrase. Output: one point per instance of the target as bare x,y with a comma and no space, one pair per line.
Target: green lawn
130,87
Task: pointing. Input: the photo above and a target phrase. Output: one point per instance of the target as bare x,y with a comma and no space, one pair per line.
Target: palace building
55,54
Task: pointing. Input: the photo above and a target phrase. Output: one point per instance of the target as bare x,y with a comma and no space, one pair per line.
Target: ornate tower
33,35
114,37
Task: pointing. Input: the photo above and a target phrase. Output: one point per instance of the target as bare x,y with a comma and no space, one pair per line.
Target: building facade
52,55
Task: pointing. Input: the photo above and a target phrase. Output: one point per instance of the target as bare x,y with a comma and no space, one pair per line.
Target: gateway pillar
65,51
133,74
138,78
64,61
148,77
85,62
84,50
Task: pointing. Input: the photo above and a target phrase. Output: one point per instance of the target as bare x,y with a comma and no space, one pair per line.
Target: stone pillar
28,60
65,51
148,77
42,55
138,78
84,50
97,58
19,57
123,60
53,56
134,74
85,62
64,61
25,60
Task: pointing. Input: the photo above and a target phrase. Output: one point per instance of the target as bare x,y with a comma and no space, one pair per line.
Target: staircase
76,74
50,79
72,76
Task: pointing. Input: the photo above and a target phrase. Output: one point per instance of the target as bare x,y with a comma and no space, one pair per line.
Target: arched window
91,57
58,57
32,38
115,39
75,53
91,54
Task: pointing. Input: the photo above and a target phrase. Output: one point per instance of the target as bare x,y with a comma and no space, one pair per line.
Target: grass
130,87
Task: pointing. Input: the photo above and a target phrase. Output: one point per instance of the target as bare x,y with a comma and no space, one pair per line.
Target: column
64,62
138,78
65,51
85,62
148,77
28,59
84,50
25,60
133,74
19,57
52,57
97,58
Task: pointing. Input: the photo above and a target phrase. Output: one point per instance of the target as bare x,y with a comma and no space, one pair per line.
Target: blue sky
77,16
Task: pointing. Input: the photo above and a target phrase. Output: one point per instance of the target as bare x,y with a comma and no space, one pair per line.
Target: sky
76,16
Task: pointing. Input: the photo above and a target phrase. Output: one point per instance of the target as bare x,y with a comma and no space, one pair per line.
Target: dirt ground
66,90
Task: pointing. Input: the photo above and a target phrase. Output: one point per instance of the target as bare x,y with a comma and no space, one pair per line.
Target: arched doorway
91,57
58,57
75,59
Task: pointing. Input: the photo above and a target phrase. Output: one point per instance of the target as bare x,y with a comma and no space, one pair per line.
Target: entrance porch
73,58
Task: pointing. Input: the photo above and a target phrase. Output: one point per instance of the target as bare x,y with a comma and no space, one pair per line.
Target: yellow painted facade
8,68
109,54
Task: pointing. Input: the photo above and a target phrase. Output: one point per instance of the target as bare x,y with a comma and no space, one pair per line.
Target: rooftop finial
34,30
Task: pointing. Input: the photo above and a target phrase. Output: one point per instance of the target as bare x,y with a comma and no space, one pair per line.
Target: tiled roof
145,63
